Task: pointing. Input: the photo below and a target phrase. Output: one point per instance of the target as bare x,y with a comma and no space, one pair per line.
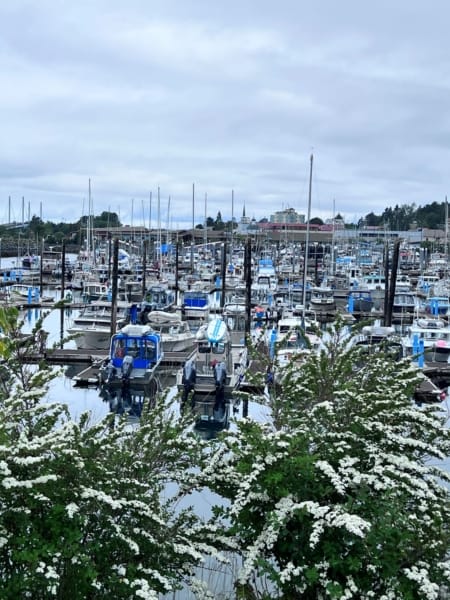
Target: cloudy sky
231,98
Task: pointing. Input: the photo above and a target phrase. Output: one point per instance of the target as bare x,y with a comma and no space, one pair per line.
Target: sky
175,109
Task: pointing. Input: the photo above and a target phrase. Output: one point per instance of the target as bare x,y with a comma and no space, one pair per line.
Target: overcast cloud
232,96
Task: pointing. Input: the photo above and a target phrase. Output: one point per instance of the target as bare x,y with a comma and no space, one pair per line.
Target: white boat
21,290
293,337
430,337
175,333
372,281
265,281
405,303
373,338
159,297
208,379
195,307
92,327
322,299
94,290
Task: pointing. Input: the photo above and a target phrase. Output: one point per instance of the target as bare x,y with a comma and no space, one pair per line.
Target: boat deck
91,377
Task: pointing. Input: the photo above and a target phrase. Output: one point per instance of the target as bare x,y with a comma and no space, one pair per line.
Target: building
287,216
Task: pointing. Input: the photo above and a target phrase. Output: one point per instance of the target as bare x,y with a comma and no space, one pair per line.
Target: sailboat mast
88,223
446,230
332,239
159,228
305,264
232,223
205,237
192,240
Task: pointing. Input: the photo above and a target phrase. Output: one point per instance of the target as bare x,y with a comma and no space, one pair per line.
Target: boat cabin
139,342
135,354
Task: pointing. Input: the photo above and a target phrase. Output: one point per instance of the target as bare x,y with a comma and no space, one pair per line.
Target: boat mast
332,240
89,225
192,240
446,230
305,264
232,224
205,237
159,230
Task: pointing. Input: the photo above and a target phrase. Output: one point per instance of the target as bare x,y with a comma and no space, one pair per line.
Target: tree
90,511
342,496
219,225
107,219
371,220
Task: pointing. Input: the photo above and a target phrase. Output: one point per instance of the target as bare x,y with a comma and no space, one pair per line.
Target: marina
182,304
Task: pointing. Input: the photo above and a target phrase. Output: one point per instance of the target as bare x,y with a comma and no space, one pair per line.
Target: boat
31,262
373,338
159,297
405,304
234,314
134,357
294,347
208,379
294,335
94,290
175,333
373,281
437,305
91,329
429,337
19,292
360,301
322,298
265,281
50,261
376,338
195,307
22,290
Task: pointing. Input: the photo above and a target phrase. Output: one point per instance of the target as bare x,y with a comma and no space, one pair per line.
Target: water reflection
126,400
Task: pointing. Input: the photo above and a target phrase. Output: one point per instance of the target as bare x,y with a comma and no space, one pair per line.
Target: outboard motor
220,376
127,367
110,372
189,379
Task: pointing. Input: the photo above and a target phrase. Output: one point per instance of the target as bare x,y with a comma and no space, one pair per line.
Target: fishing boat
322,299
94,290
405,304
195,307
265,281
195,304
31,262
208,379
134,358
360,301
430,337
437,305
159,297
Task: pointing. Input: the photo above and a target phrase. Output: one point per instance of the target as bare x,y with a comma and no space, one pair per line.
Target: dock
89,376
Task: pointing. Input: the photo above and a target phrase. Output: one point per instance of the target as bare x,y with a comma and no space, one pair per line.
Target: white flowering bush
86,509
342,496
